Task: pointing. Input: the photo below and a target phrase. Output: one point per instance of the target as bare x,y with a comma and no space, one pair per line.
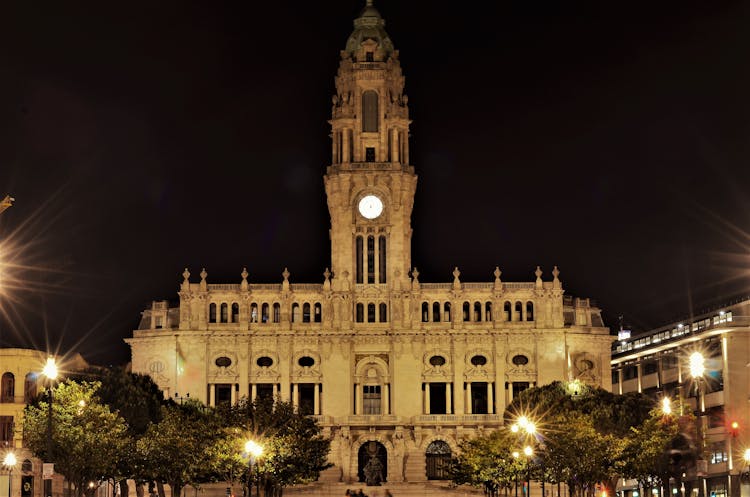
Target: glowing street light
50,371
697,364
254,451
10,462
666,406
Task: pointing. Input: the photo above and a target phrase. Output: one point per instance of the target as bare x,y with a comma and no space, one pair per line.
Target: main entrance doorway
372,467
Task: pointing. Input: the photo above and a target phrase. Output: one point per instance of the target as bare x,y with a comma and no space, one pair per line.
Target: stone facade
393,368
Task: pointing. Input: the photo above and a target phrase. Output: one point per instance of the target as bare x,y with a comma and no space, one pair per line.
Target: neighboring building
656,363
393,368
20,383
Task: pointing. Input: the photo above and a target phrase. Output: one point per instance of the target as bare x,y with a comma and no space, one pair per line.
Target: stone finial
327,280
243,283
285,283
556,280
186,279
456,281
498,282
285,274
346,286
414,279
204,283
538,274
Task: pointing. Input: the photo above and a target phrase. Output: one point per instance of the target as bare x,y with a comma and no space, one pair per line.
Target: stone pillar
233,394
346,147
356,399
275,391
295,394
360,398
387,398
212,395
468,397
490,399
448,399
316,399
427,398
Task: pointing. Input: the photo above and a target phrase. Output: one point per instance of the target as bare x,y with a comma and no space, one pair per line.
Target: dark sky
609,138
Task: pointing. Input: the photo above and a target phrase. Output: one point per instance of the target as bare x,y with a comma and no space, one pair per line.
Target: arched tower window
447,312
305,312
318,312
7,387
436,312
518,311
295,313
370,115
506,310
382,262
359,261
529,311
477,311
488,311
383,313
264,313
371,259
212,313
360,313
425,312
224,313
253,312
467,311
29,388
235,312
370,313
276,312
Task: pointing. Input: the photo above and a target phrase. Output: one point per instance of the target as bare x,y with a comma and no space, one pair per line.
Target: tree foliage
87,438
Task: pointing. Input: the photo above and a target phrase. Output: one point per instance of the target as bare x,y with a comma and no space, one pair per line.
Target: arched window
264,313
27,467
253,312
295,313
370,313
436,312
425,312
7,388
488,311
371,259
467,311
506,310
438,456
383,313
276,313
529,311
212,313
29,388
360,248
517,313
382,261
318,313
224,313
447,312
477,311
370,115
360,313
235,312
305,312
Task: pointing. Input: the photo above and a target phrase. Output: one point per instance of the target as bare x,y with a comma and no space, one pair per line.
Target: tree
87,438
294,449
174,450
489,462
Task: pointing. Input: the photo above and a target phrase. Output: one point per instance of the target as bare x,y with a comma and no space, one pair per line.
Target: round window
520,360
264,362
223,362
437,360
585,365
306,361
479,360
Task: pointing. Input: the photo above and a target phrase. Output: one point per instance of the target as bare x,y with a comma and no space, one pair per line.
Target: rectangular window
159,322
264,391
669,361
718,453
6,429
371,399
369,57
223,394
615,377
307,398
370,154
479,398
437,398
629,373
519,386
650,367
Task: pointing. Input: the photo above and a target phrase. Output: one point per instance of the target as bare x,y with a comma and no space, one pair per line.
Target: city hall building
392,367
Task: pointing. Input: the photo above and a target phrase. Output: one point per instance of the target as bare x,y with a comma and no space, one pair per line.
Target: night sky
609,138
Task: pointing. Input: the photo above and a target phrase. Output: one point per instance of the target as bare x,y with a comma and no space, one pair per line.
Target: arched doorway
372,467
438,456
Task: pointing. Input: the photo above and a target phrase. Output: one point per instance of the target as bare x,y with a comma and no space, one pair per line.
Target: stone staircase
421,489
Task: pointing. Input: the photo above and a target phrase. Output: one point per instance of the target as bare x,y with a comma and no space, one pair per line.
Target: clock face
370,206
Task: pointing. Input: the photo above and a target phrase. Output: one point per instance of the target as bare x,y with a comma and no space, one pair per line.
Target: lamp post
528,427
10,463
516,455
528,452
254,450
50,372
697,369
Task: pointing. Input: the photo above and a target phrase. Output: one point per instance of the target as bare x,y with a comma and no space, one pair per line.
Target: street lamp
50,371
523,423
10,462
254,450
528,452
697,365
666,406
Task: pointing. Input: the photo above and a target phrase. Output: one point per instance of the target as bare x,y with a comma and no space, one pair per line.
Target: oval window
306,361
479,360
264,362
223,362
437,360
520,360
586,365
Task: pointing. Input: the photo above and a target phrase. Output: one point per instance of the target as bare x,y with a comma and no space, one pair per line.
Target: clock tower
370,185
